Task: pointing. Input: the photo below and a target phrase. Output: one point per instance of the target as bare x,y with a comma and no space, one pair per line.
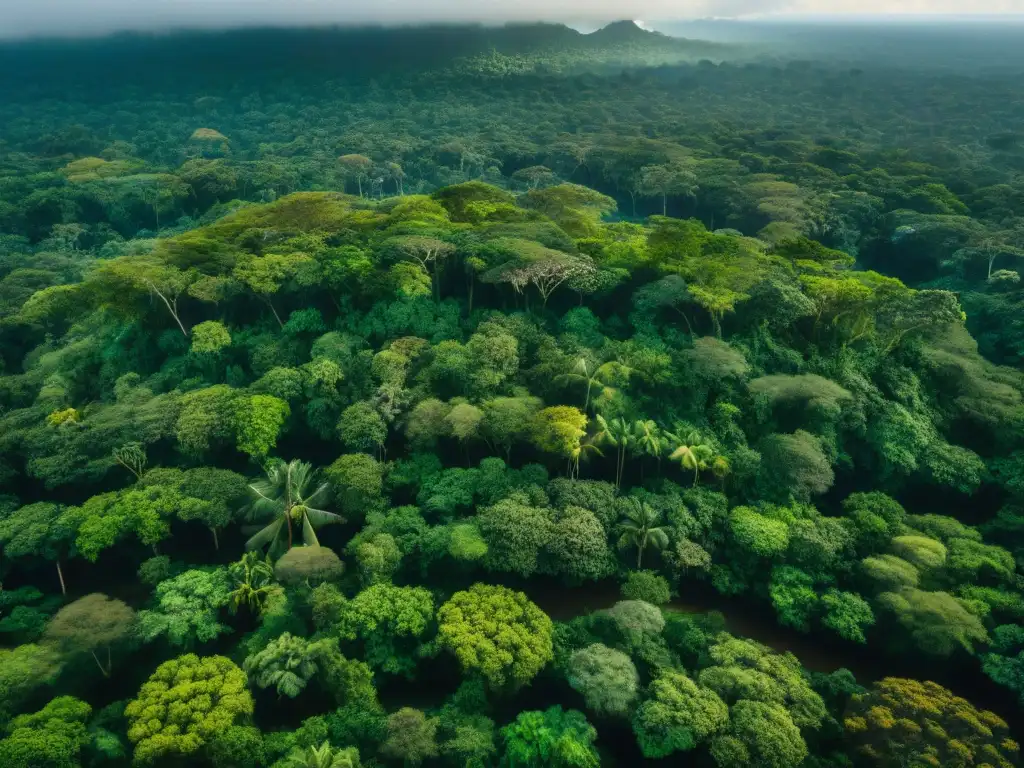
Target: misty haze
90,17
472,385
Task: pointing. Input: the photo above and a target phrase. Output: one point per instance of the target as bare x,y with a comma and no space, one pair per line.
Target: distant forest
465,396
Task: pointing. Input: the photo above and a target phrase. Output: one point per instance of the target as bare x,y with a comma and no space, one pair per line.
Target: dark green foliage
222,492
516,534
357,480
37,529
239,746
251,579
156,569
761,735
796,464
361,428
577,547
357,724
597,496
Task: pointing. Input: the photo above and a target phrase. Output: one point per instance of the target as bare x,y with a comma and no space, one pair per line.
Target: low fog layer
20,18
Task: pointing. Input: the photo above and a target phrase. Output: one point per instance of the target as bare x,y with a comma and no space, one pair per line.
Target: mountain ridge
351,53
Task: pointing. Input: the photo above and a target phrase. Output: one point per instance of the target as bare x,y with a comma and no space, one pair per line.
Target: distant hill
620,32
348,53
526,49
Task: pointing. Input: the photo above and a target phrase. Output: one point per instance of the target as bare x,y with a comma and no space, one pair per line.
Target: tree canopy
512,396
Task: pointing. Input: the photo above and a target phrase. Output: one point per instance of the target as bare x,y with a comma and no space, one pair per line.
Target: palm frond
320,517
658,538
276,474
266,535
308,534
570,377
265,499
613,368
321,489
581,367
300,475
683,454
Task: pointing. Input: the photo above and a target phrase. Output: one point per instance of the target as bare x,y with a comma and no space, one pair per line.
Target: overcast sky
20,18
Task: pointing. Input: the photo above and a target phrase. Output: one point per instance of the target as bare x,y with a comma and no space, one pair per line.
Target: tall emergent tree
286,498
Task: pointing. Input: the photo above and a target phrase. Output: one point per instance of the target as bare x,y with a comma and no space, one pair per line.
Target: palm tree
582,452
252,579
641,529
619,434
286,664
721,468
651,440
324,756
693,454
132,456
286,497
600,377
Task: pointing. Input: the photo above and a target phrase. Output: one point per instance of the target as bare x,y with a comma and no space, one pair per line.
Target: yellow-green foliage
906,722
67,416
184,705
496,632
208,135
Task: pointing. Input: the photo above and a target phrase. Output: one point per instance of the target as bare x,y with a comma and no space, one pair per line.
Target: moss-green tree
606,677
91,624
497,633
678,715
186,703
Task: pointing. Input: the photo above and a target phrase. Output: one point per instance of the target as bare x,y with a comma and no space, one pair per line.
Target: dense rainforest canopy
399,413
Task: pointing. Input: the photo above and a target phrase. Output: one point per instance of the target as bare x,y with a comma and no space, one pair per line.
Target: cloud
19,18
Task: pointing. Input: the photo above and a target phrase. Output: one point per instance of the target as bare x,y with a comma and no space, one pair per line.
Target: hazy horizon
77,18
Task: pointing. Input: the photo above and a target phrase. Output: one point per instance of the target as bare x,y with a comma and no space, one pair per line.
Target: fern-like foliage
286,664
324,756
